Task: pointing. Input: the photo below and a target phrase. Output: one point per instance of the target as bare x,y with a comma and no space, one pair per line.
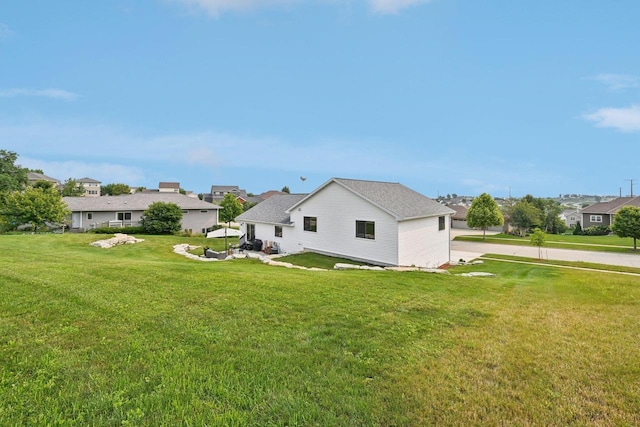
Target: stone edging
184,248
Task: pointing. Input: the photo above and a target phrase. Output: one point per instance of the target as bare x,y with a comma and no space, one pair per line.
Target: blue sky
444,96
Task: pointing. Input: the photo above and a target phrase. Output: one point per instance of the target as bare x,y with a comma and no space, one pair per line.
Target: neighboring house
376,222
127,210
602,213
571,217
459,218
169,187
91,186
267,194
218,192
34,177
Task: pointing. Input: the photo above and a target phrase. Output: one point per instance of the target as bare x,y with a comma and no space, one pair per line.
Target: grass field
137,335
561,241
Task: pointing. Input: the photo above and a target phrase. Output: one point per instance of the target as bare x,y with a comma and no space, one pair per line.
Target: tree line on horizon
42,203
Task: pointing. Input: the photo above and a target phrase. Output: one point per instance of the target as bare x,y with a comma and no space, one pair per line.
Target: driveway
472,250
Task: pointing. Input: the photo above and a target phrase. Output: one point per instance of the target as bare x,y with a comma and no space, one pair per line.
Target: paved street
471,250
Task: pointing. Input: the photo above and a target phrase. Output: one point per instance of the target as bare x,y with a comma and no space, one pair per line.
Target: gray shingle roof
35,176
134,202
88,181
400,201
611,206
273,210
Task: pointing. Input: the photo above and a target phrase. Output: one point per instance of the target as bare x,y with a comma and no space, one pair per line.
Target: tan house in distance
91,186
169,187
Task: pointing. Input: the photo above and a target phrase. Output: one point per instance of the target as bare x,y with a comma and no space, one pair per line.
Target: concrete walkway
471,250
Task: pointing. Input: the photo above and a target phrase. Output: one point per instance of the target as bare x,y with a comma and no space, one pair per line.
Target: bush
597,230
162,218
124,230
577,229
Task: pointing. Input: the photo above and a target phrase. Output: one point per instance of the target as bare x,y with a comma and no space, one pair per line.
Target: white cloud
45,93
618,81
393,6
5,32
623,119
106,172
217,7
198,159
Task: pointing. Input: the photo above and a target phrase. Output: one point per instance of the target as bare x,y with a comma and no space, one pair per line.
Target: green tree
626,223
578,229
72,188
45,185
13,177
525,216
231,208
285,189
538,238
36,206
162,218
484,213
114,189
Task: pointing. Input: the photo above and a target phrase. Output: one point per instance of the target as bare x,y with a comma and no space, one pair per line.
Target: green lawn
137,335
585,243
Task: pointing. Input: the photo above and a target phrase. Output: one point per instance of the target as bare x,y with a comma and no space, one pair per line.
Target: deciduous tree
162,218
114,189
484,213
36,206
13,177
525,216
72,188
231,208
626,223
538,238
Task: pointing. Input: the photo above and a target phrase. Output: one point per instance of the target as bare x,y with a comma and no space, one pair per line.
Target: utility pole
631,181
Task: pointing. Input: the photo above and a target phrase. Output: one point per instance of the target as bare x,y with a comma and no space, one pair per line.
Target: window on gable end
366,229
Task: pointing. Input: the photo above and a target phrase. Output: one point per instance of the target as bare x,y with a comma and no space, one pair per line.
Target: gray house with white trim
602,213
381,223
127,209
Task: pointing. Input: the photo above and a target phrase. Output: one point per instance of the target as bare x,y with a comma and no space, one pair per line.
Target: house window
124,216
310,223
441,223
366,229
89,215
204,211
596,218
184,211
251,231
278,231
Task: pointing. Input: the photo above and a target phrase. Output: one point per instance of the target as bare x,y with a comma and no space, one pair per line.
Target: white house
382,223
127,210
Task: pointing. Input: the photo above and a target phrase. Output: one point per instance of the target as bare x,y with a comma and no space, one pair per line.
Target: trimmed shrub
577,230
597,230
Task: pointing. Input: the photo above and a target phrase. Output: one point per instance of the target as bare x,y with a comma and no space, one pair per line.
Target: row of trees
541,216
524,215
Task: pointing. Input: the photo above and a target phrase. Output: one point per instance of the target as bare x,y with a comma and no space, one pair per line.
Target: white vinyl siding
336,210
422,244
